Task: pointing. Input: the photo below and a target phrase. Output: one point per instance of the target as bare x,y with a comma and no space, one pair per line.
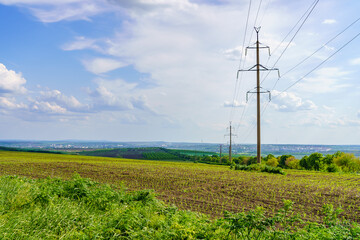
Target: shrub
315,162
304,163
348,162
333,168
275,170
292,163
282,160
273,162
251,160
259,168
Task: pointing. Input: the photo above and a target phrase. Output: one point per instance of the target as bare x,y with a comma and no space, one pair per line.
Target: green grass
204,188
149,153
83,209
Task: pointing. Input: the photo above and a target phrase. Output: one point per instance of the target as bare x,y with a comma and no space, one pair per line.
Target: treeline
11,149
337,162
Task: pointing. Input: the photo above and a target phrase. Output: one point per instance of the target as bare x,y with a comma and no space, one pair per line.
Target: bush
259,168
275,170
251,160
282,160
347,162
273,162
333,168
292,163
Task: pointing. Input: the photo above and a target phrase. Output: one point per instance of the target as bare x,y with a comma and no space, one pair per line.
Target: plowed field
204,188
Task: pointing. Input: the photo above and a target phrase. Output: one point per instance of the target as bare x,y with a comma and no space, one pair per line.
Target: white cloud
354,123
355,61
81,43
328,109
233,54
69,10
116,95
235,103
47,108
289,102
147,5
10,81
67,102
76,10
102,65
326,80
358,114
183,48
329,21
38,2
10,104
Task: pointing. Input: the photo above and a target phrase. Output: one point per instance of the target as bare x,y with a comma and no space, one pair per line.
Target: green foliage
304,163
160,156
292,163
282,160
268,157
83,209
258,168
332,168
272,161
315,161
254,224
337,162
252,160
347,162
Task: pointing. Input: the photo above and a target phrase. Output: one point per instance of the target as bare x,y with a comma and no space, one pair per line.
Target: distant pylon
230,134
259,68
220,150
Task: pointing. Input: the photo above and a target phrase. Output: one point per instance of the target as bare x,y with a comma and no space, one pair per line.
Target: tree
273,162
315,161
304,162
252,160
348,162
282,160
268,157
292,162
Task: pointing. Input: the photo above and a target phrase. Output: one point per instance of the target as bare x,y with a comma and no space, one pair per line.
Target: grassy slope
149,153
200,187
83,209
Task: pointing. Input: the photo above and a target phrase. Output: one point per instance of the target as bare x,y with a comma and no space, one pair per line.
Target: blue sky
141,70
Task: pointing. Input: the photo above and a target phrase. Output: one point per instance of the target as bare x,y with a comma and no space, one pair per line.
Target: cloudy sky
149,70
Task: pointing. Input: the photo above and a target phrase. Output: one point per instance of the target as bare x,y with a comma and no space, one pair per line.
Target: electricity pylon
259,68
230,134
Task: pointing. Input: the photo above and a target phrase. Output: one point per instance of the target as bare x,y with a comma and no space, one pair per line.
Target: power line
258,90
312,7
242,50
306,15
317,50
266,8
317,66
311,71
256,17
241,74
277,47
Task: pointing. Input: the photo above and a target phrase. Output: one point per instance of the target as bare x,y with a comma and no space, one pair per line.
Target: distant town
240,149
